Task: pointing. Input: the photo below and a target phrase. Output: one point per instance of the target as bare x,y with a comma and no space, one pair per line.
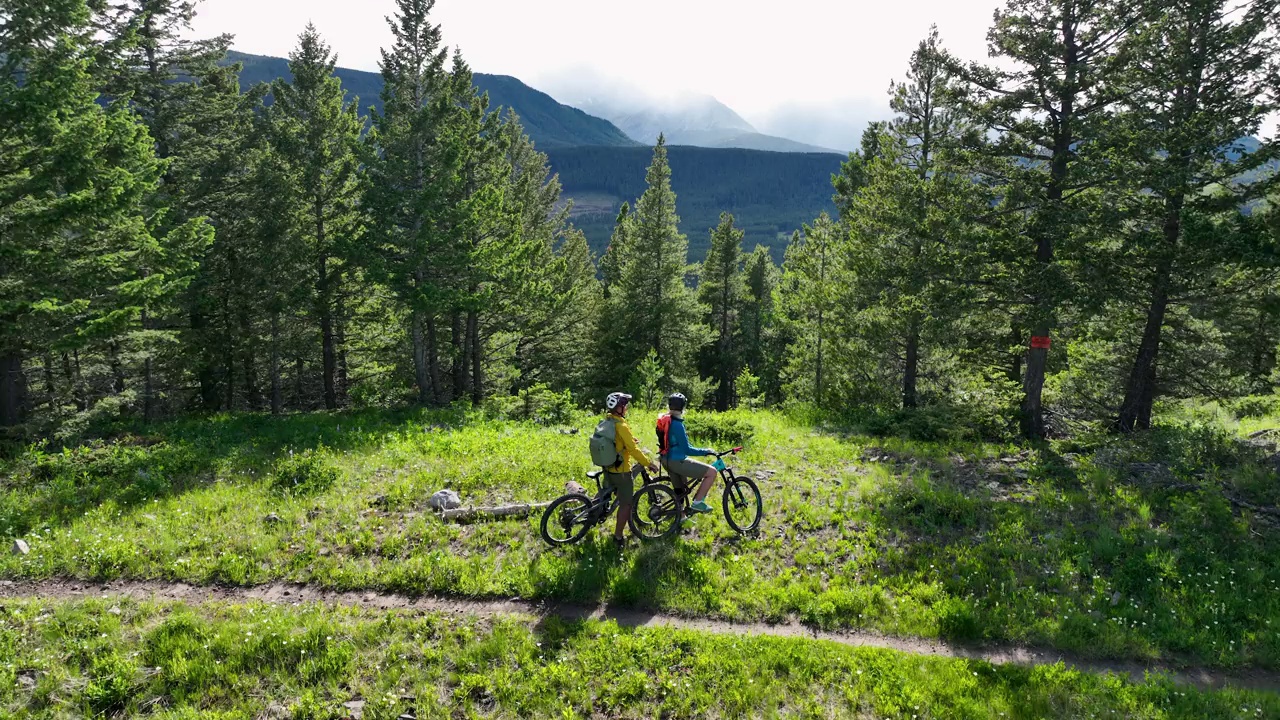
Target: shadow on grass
134,464
1133,549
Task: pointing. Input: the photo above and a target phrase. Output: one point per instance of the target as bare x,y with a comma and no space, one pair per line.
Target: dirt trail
287,594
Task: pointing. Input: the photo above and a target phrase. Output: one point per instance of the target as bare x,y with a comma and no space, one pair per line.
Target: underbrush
128,659
1143,547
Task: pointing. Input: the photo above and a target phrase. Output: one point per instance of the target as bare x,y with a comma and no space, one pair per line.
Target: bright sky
789,58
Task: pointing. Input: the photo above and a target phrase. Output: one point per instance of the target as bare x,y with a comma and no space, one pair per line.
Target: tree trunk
82,393
340,340
433,360
458,337
298,401
206,376
1015,340
252,392
1139,396
148,378
477,358
325,309
11,388
420,371
72,386
912,369
277,398
117,369
50,387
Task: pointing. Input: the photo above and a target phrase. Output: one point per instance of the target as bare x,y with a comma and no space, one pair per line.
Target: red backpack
664,424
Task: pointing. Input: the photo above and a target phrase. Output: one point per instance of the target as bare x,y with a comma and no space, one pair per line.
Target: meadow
161,660
1157,548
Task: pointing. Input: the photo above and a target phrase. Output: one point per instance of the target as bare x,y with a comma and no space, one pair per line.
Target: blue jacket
678,442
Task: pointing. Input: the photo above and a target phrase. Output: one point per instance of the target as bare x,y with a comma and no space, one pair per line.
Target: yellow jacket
625,443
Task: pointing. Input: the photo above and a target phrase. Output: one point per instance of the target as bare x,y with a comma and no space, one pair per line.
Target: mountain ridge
547,121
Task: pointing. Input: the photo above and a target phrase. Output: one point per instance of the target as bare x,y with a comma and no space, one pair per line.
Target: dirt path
286,594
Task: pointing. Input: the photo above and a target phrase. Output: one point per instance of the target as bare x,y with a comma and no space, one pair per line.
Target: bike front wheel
743,506
655,512
567,519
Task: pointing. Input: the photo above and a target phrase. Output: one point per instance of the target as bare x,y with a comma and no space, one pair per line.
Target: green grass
128,659
928,539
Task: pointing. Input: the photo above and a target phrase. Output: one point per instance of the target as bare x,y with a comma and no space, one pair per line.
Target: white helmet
617,400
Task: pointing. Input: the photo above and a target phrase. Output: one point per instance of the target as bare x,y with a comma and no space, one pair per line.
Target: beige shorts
684,470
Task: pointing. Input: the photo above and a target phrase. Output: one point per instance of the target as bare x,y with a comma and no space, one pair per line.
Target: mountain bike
568,518
658,508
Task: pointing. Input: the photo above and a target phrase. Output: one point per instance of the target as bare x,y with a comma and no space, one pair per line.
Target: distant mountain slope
699,120
770,193
549,123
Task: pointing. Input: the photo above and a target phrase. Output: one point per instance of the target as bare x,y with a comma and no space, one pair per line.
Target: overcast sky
789,62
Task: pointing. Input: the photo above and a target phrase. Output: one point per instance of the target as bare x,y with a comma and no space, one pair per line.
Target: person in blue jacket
676,452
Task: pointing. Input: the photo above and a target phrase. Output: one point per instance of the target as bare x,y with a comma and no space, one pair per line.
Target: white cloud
765,61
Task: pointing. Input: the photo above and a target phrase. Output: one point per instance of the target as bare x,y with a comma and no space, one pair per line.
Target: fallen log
471,514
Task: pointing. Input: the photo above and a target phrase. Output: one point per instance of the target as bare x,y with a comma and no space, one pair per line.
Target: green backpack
604,448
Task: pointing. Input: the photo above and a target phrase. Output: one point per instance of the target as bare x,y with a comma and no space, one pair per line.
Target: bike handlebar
730,451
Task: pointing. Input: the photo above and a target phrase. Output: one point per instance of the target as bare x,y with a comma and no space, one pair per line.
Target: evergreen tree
619,244
721,292
407,196
316,132
1046,102
80,263
1200,80
762,345
911,222
812,277
651,307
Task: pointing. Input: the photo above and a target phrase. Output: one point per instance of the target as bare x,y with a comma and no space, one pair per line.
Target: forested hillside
998,258
549,123
770,194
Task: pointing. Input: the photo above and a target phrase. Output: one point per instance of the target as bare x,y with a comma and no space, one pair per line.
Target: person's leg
624,485
708,480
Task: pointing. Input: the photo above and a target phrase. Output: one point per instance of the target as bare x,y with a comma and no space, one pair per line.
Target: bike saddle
595,475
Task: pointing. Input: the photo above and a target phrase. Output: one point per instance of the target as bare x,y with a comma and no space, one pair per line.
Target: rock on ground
445,500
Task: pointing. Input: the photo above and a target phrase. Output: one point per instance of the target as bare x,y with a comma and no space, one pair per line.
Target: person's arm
629,446
681,439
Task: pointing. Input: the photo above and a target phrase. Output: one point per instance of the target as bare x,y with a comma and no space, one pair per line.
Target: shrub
1255,406
715,428
304,473
538,403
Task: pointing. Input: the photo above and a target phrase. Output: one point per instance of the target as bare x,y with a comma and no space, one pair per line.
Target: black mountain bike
568,518
660,508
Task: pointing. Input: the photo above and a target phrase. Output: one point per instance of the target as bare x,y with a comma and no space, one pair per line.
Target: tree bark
298,401
912,369
277,397
148,379
477,358
325,309
206,376
433,361
340,340
1139,396
11,388
461,356
420,371
249,362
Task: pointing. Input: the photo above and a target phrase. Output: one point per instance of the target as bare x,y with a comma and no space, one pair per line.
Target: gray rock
115,611
355,708
445,500
271,518
1115,598
20,547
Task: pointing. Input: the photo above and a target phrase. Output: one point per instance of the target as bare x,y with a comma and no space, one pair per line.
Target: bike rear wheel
567,519
742,504
656,512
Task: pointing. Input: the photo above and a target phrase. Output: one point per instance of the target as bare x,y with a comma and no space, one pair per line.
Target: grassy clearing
972,542
100,658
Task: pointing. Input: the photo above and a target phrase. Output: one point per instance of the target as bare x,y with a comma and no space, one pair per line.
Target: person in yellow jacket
621,477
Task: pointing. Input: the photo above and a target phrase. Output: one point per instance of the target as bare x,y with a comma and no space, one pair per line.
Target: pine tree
911,221
651,307
1053,91
619,244
316,132
1200,81
812,278
762,344
80,263
720,291
407,195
